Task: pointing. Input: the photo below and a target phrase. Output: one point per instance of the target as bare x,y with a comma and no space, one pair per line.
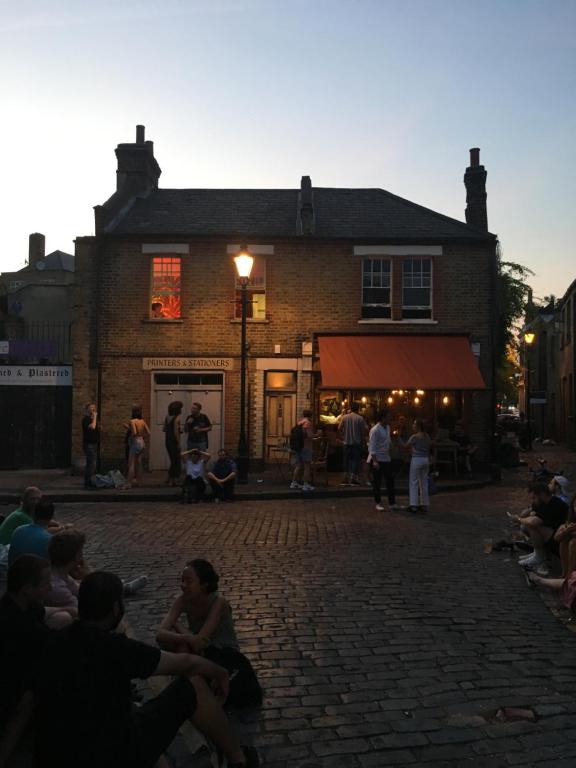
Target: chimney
36,248
475,183
138,172
306,219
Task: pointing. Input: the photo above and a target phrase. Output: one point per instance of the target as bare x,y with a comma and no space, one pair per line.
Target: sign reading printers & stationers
188,363
36,375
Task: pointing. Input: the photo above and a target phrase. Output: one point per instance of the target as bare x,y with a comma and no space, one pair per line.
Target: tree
514,304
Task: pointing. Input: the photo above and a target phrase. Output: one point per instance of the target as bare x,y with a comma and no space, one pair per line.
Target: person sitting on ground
222,477
565,537
465,450
66,556
210,630
560,485
22,636
548,514
85,717
23,515
33,539
194,484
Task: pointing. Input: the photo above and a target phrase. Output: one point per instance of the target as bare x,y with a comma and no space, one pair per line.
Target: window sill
388,321
164,320
251,320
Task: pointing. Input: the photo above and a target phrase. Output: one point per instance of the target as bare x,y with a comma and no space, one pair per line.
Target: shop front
433,378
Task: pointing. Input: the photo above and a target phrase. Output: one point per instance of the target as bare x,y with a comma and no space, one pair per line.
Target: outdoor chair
320,458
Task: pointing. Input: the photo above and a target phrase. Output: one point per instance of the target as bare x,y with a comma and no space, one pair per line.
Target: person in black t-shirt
90,436
198,425
85,713
548,514
22,636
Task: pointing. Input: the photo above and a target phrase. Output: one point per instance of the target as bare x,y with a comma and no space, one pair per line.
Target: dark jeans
383,470
223,492
193,488
352,458
90,451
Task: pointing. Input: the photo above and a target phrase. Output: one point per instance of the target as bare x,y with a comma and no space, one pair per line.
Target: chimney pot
140,134
474,157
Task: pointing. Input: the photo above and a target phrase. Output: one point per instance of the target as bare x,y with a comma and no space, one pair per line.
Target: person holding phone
90,437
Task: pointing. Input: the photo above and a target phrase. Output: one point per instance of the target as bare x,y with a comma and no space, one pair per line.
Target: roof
59,260
338,214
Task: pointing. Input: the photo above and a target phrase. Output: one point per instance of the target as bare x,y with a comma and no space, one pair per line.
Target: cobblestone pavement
382,639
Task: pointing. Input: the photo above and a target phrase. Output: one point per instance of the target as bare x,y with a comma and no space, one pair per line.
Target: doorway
206,389
280,408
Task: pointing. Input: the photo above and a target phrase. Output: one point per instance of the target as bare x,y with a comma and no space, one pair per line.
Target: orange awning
398,362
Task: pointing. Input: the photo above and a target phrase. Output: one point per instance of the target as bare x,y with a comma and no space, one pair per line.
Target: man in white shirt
352,430
379,457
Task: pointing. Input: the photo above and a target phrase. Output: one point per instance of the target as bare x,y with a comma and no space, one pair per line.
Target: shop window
256,292
165,296
417,288
376,288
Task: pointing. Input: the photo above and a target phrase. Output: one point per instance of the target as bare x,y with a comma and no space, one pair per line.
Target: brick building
355,294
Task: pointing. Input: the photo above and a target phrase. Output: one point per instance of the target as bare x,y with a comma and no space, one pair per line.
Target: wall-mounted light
420,392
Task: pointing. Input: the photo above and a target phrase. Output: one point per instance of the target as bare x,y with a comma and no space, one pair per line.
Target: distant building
566,400
36,314
356,294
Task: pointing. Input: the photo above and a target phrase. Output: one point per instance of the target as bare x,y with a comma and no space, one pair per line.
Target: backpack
297,438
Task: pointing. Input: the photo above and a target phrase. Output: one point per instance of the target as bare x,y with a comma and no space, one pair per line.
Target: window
13,285
165,301
256,292
376,288
417,288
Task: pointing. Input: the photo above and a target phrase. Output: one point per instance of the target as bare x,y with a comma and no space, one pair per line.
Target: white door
210,398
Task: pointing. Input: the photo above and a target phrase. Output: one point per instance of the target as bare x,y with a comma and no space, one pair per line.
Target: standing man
198,425
90,436
379,457
301,438
352,430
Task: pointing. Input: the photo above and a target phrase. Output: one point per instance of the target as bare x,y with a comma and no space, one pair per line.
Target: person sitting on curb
210,631
222,477
565,537
85,717
548,514
33,539
23,633
194,482
24,515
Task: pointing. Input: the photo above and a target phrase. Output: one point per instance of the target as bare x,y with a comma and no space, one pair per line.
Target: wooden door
280,418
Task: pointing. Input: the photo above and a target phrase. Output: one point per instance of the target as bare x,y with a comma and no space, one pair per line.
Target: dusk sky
256,93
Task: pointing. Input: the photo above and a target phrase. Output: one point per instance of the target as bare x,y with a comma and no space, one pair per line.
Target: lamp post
528,341
244,263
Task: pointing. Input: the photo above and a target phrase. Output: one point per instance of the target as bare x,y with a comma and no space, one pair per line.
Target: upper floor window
13,285
165,294
417,288
376,281
256,292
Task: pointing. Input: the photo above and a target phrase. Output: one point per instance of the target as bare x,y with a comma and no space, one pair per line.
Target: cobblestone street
382,639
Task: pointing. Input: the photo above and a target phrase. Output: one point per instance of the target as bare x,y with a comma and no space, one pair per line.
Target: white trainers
379,507
527,558
307,487
294,486
542,569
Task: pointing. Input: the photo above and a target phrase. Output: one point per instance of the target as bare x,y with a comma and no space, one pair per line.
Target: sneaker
294,486
355,482
307,487
131,587
379,508
396,507
345,482
542,569
527,558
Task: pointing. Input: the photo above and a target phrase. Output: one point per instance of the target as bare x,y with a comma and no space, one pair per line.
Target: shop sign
188,363
36,375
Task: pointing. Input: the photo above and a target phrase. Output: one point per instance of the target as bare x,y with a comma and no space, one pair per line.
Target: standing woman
419,443
136,444
172,441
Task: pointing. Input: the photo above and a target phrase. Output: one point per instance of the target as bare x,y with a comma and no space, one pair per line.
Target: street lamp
528,341
244,262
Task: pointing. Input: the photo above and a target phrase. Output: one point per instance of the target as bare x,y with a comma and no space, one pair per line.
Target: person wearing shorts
302,459
85,715
136,444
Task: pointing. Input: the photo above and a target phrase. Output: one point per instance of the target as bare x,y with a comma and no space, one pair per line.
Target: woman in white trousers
419,443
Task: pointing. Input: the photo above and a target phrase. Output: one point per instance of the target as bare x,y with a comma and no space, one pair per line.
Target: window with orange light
165,295
256,292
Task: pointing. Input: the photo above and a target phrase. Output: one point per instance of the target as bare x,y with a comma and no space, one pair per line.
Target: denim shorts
302,457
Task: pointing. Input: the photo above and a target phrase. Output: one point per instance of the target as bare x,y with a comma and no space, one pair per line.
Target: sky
257,93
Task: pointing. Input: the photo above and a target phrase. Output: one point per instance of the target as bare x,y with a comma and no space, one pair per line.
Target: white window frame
372,258
420,307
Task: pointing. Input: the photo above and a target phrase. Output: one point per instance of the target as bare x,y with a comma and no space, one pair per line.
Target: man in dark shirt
198,425
90,436
85,713
548,514
22,637
222,476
